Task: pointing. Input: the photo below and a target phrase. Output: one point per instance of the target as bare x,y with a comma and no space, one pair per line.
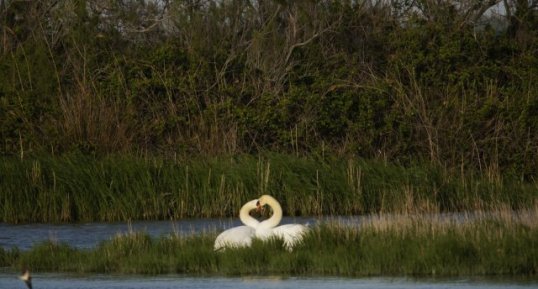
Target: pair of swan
291,234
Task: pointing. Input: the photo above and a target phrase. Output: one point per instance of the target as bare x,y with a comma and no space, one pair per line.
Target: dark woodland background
447,82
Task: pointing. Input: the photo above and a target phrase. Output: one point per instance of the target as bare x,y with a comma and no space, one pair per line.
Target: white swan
291,234
240,236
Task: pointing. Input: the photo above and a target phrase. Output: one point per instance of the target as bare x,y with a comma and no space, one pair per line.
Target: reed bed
498,243
76,187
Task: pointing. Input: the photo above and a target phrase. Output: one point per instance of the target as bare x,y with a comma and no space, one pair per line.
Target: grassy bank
77,187
492,244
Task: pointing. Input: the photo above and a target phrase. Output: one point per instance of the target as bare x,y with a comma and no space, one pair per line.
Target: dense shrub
214,77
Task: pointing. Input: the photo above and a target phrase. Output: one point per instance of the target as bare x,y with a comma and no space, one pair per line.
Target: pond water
87,235
59,281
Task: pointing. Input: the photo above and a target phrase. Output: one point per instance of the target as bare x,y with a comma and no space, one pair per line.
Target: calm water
58,281
90,234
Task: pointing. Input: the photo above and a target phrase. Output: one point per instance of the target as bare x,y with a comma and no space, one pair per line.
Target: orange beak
259,207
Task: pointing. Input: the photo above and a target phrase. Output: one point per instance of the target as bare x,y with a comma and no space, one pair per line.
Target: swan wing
235,237
291,234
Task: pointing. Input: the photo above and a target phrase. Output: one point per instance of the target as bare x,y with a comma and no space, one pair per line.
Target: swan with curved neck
291,234
240,236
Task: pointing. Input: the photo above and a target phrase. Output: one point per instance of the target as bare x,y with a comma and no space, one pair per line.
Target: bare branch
297,45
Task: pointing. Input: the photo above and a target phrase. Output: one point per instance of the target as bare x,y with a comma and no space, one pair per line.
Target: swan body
240,236
291,234
235,237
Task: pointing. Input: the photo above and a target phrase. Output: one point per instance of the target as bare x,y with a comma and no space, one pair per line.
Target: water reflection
59,281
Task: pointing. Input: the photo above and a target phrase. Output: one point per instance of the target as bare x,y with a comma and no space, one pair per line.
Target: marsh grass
499,243
78,187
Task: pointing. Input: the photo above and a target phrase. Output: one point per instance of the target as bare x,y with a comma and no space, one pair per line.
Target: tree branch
297,45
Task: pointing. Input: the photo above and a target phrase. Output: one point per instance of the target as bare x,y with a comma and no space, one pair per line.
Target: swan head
259,206
265,200
260,203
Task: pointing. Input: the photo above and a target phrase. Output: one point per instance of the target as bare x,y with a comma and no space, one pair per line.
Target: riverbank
498,243
83,188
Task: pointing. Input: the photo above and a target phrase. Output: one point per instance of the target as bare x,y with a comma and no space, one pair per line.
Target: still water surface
59,281
88,235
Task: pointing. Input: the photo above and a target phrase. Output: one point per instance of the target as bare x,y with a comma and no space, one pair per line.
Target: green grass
498,244
77,187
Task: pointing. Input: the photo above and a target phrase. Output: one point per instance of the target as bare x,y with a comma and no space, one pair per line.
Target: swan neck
245,217
275,219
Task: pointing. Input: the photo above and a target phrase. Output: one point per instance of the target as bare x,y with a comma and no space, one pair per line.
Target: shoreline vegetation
499,243
82,188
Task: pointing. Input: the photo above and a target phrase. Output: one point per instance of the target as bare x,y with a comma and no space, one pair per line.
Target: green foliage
78,187
349,78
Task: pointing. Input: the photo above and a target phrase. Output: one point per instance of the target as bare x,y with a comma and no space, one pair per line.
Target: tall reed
85,188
